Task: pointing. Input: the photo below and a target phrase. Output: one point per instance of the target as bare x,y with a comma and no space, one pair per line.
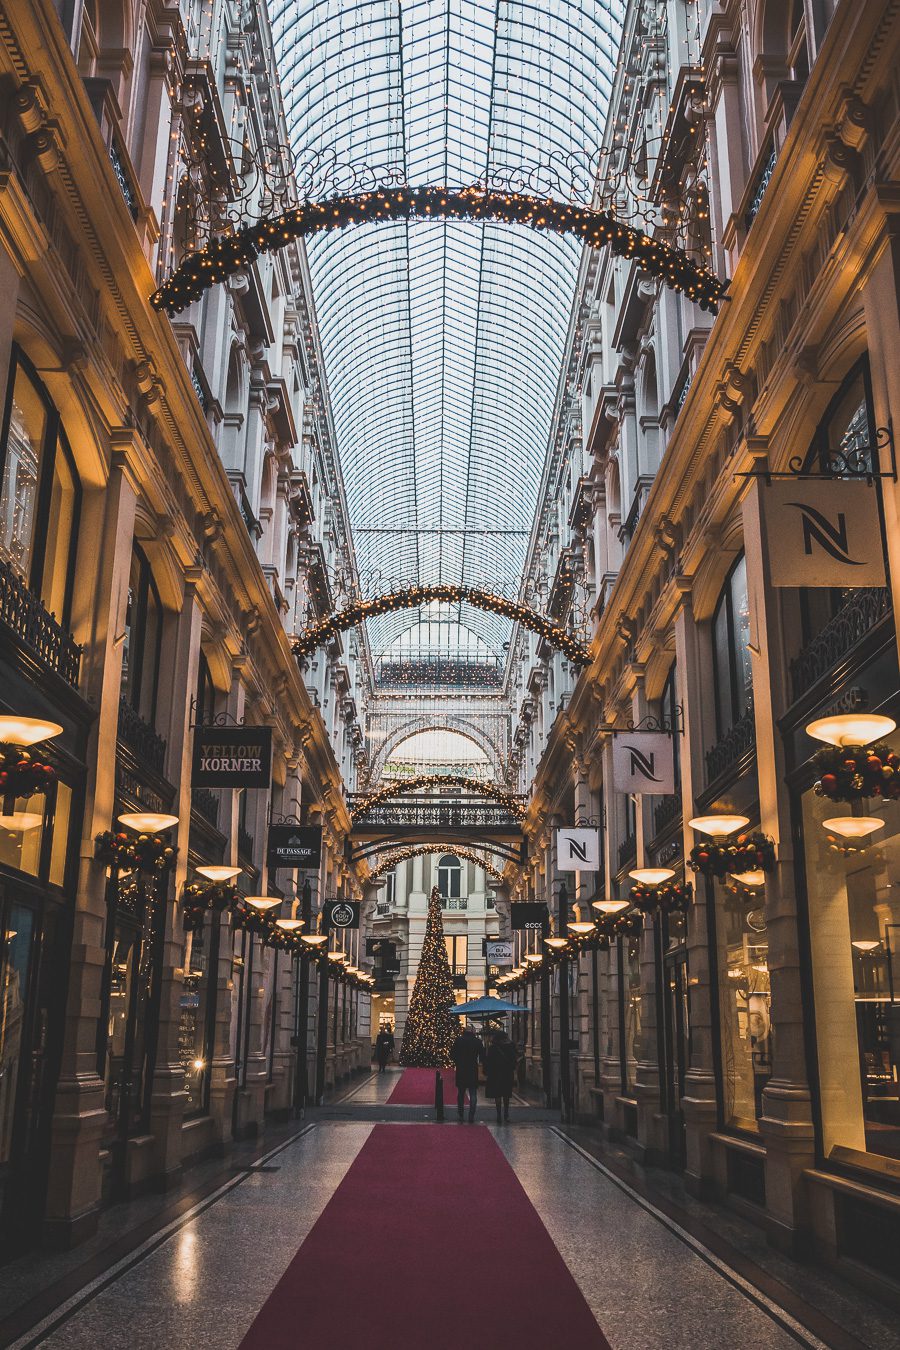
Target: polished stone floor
197,1277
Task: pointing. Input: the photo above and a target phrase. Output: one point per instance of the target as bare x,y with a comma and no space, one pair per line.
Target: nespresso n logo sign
232,757
821,532
818,529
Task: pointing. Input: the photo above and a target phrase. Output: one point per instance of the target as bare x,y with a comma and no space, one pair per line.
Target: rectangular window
22,464
631,976
16,930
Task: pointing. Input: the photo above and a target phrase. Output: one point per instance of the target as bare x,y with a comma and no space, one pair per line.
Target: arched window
731,653
40,495
450,877
669,714
143,636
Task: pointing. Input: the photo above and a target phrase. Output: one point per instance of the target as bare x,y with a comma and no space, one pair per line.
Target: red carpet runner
416,1088
429,1240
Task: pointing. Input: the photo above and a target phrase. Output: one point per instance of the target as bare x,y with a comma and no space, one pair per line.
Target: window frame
54,441
138,637
726,599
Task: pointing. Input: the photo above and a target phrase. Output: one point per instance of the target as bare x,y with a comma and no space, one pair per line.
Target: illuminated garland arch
226,254
401,853
402,786
360,610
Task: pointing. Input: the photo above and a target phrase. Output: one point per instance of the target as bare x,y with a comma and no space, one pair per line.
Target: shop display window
745,1005
193,1024
853,889
16,932
22,833
631,985
131,989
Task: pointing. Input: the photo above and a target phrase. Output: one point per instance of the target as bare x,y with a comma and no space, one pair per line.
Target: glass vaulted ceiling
444,340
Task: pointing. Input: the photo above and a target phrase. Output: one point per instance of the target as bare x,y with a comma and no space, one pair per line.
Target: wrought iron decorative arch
402,852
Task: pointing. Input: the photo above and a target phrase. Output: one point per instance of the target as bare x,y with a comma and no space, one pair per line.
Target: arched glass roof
443,340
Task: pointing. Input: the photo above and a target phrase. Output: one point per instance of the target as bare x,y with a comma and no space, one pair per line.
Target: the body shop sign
232,757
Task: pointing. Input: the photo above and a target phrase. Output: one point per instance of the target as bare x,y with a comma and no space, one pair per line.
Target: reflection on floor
411,1233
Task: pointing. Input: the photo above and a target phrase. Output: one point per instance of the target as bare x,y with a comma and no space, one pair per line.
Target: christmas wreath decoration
22,772
670,897
626,924
128,852
201,896
749,852
847,773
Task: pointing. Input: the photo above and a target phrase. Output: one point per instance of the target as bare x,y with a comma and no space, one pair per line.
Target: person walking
467,1052
384,1047
500,1064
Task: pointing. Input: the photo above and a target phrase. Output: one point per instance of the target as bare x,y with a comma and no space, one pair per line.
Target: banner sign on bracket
578,850
232,757
823,532
341,914
644,762
499,954
529,916
295,846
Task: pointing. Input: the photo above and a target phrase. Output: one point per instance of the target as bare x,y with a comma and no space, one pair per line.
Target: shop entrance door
677,1048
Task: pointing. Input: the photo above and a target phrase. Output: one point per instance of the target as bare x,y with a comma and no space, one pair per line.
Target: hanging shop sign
644,762
341,914
823,532
294,846
530,916
578,850
235,757
387,960
499,954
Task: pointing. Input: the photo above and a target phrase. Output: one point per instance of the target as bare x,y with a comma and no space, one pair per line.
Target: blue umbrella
486,1007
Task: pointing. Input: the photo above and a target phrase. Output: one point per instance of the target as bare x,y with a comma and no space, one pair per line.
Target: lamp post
564,1066
301,1022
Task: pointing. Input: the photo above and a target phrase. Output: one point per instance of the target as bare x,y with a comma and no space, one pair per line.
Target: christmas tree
430,1027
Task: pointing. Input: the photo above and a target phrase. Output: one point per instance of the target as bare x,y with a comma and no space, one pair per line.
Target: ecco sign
232,757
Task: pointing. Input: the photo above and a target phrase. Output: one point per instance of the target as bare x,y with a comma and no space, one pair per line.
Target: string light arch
318,634
515,805
405,852
227,254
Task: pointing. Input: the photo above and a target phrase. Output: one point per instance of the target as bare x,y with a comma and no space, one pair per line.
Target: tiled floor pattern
201,1283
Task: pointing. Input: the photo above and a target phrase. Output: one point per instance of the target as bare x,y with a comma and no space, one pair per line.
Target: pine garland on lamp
671,897
430,1026
22,772
146,853
199,897
848,773
749,852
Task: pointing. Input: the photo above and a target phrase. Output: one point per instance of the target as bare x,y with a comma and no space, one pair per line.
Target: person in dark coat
384,1048
500,1063
467,1052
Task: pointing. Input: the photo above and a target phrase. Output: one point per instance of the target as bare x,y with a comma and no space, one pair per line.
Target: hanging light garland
515,805
749,852
671,896
403,854
319,634
227,254
200,897
129,853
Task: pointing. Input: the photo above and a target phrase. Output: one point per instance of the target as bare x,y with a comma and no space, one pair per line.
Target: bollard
439,1095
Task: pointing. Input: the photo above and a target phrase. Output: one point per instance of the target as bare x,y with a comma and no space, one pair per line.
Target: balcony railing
245,843
762,182
456,902
862,612
666,812
627,849
140,737
737,742
206,803
461,812
36,628
124,180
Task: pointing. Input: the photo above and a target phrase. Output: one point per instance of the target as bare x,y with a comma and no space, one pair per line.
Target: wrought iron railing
455,902
140,737
245,842
124,180
737,742
666,811
206,803
45,638
463,812
762,182
627,849
861,612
